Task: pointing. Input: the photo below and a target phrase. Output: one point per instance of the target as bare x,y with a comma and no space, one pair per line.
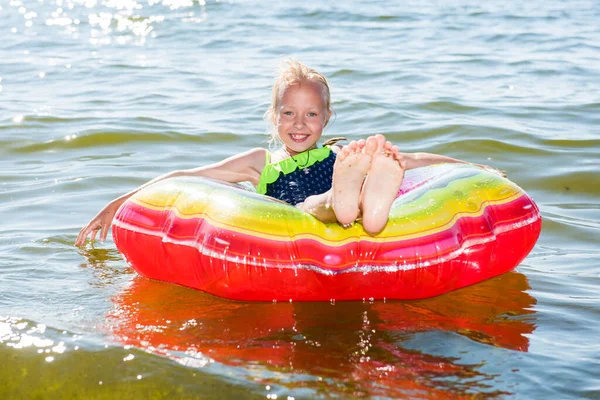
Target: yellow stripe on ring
344,236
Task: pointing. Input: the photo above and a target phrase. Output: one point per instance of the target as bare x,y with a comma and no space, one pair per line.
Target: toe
361,144
342,154
371,146
380,141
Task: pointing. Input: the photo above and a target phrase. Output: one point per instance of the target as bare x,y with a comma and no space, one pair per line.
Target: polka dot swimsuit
295,187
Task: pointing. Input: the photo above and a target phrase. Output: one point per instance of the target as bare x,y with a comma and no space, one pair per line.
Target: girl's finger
93,235
78,240
82,235
104,232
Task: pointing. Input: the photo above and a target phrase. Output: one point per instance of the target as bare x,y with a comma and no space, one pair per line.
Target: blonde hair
294,72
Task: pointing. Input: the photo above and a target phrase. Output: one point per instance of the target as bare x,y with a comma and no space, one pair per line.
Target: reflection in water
106,263
347,348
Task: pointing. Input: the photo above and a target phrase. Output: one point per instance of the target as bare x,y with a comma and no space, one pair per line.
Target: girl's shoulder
275,156
251,156
255,158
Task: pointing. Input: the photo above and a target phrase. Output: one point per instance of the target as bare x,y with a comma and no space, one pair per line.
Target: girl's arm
239,168
416,160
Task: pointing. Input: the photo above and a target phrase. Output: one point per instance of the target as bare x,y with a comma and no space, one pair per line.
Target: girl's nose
299,121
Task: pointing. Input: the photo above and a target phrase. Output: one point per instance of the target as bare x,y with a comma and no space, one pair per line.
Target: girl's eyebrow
309,107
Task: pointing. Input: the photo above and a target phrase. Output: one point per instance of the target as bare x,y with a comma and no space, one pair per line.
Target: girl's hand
101,222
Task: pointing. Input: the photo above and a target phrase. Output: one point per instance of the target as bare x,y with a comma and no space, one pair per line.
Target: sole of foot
351,166
381,188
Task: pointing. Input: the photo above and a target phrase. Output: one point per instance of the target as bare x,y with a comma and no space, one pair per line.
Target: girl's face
301,116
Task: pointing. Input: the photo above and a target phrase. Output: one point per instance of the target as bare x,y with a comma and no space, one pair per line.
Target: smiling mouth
299,137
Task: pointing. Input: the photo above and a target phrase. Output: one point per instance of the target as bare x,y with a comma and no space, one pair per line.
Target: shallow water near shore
97,97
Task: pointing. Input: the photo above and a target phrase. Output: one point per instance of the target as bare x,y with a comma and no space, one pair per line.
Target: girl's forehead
308,91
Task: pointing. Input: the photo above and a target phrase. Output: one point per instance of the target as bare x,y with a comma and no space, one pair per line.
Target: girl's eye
312,114
287,113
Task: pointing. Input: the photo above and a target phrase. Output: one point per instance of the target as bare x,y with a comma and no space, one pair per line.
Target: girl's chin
301,145
299,148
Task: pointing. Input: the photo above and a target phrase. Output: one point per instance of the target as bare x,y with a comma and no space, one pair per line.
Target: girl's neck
290,153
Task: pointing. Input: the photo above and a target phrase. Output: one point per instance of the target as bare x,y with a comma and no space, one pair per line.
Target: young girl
333,183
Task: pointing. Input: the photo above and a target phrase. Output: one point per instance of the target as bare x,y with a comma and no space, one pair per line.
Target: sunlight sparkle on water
59,21
124,4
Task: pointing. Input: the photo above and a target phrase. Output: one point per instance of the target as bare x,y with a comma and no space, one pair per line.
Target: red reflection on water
347,348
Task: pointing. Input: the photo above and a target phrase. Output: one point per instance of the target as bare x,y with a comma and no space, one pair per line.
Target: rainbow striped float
452,225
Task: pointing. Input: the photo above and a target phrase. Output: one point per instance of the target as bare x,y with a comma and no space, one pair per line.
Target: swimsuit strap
271,172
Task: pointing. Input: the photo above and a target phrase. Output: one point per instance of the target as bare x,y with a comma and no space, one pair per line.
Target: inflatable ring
452,225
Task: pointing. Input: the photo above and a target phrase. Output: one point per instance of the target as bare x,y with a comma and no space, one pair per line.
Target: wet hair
294,72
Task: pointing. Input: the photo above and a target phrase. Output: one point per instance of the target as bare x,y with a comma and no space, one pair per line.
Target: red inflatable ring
452,225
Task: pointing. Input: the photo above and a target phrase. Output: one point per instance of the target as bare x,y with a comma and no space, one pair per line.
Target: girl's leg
351,194
351,167
381,187
320,206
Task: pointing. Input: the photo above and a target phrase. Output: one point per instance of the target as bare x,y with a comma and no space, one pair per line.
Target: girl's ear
328,118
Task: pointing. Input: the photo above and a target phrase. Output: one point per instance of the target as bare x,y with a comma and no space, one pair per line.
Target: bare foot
351,166
382,186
